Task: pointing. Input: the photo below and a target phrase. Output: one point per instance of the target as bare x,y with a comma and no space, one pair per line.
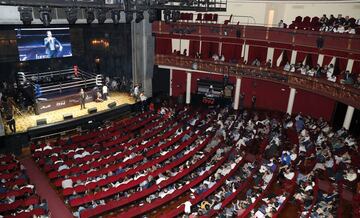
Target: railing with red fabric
340,92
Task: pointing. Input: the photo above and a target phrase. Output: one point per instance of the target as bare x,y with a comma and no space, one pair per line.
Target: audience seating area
208,162
331,24
18,197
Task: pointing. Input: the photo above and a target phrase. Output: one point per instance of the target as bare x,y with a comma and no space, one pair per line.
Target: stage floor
28,120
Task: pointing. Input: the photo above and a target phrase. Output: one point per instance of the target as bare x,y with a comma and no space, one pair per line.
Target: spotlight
129,16
167,16
139,16
71,15
115,16
175,16
101,16
90,16
152,15
26,15
45,15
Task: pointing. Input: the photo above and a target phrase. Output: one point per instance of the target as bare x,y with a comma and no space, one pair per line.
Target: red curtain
300,57
286,57
193,47
269,95
277,53
178,82
356,68
314,105
231,52
208,49
163,46
257,52
327,60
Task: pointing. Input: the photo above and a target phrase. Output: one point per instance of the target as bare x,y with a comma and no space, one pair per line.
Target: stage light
101,16
115,16
152,15
45,15
90,16
139,16
129,16
167,16
71,15
26,15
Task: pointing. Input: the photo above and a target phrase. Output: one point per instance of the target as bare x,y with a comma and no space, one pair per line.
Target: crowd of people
17,196
334,24
212,137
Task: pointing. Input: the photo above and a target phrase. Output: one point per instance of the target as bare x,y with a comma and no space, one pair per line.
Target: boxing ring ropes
64,93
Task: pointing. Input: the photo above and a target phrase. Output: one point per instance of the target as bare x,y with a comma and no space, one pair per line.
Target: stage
28,120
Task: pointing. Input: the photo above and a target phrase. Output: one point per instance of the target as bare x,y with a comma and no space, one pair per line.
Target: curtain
163,46
257,52
194,47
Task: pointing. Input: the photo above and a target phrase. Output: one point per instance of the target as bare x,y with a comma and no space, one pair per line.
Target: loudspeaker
238,33
92,110
40,122
67,116
112,104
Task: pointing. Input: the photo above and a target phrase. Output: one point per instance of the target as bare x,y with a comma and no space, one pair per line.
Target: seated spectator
268,63
287,67
324,19
222,58
339,29
67,183
256,63
215,57
348,80
292,68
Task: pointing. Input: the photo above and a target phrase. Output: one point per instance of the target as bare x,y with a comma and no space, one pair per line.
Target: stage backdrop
95,48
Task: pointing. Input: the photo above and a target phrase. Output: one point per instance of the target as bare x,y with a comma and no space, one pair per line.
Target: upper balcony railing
347,94
346,44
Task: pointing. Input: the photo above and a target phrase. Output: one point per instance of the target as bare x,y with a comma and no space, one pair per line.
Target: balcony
336,44
342,93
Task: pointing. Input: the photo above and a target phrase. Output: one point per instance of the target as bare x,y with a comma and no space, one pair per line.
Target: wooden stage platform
28,120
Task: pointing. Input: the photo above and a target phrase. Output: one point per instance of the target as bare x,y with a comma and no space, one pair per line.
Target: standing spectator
11,123
253,102
281,24
82,99
105,92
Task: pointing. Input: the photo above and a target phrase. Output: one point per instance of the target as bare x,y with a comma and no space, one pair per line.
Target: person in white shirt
63,167
287,66
340,29
105,92
332,78
67,183
215,57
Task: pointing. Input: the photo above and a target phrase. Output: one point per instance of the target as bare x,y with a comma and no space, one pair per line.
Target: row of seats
134,200
207,18
18,197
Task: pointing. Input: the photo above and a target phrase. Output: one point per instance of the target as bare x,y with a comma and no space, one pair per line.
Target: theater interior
179,108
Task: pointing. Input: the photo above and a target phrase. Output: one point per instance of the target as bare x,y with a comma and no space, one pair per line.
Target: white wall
287,11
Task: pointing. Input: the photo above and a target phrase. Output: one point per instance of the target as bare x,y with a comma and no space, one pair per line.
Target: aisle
43,188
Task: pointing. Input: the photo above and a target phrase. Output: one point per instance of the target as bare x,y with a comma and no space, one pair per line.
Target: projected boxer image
43,43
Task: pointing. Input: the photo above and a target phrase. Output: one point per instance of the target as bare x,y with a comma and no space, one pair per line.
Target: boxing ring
55,90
